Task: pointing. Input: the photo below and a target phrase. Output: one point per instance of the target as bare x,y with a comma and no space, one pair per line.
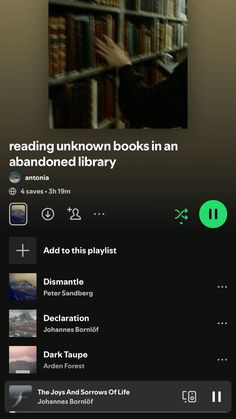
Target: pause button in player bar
216,396
213,214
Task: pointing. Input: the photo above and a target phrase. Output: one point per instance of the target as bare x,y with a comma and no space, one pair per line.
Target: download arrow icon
47,214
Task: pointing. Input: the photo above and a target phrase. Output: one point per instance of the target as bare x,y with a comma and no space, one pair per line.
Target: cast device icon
189,396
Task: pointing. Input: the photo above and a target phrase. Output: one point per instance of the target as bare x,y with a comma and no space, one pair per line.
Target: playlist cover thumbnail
23,287
22,323
22,359
18,214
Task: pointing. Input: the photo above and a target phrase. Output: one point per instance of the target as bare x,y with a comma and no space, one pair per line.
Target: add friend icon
75,216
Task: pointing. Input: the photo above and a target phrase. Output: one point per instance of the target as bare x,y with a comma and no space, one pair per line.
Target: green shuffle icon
213,214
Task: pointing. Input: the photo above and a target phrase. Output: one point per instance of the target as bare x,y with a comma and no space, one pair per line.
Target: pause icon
213,214
216,397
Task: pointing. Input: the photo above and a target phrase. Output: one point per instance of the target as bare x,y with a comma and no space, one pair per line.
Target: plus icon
22,250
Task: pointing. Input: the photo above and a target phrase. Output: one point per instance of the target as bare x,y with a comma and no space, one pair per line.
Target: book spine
71,44
62,45
80,47
88,102
139,38
94,104
54,56
51,115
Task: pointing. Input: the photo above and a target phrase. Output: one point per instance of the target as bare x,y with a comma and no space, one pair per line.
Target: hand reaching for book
111,52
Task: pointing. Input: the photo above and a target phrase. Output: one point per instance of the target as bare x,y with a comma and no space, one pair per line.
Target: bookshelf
83,89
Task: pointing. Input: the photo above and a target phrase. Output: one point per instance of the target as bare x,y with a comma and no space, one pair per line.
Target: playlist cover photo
118,64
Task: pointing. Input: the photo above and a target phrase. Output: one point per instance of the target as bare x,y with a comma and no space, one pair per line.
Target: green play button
213,214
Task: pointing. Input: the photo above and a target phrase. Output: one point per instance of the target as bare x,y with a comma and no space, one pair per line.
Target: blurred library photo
118,64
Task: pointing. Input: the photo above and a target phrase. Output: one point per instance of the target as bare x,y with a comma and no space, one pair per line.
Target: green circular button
213,214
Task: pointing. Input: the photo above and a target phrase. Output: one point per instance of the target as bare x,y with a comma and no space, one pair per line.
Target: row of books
171,36
147,38
139,38
170,8
71,41
89,103
84,104
175,8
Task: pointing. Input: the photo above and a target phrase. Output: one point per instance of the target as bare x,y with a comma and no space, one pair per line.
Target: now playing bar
118,397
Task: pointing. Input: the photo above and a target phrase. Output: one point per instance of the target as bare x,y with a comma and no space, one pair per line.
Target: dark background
156,302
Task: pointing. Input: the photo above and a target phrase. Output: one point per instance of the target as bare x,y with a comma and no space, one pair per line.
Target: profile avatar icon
15,177
75,215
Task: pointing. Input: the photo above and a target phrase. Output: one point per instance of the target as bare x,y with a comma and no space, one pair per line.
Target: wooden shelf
153,15
90,72
175,19
77,75
141,14
142,58
84,5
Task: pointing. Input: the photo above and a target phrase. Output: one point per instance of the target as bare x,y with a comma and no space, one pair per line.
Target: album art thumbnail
22,323
23,287
19,396
22,359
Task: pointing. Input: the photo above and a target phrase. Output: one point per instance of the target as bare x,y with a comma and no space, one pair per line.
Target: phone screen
118,208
